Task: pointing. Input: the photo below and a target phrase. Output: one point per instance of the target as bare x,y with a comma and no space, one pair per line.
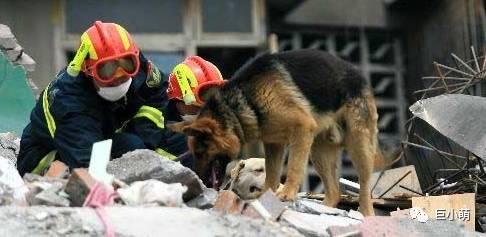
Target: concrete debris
9,147
468,131
228,203
12,187
153,192
30,178
349,187
7,39
78,186
268,206
316,207
133,221
344,231
14,52
315,225
41,188
205,200
142,165
51,197
355,215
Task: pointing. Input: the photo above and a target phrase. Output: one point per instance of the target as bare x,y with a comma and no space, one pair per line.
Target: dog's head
212,146
247,177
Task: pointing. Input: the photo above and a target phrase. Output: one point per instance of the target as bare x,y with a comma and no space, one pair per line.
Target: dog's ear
197,131
179,126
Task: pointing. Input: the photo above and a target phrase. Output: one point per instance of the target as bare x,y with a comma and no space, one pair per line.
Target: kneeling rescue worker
109,90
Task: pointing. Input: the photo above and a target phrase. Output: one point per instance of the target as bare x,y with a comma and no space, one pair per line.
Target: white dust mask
115,93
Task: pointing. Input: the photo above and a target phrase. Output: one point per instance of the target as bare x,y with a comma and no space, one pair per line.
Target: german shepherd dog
307,100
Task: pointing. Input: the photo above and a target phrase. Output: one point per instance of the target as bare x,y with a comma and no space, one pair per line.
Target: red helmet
112,53
189,78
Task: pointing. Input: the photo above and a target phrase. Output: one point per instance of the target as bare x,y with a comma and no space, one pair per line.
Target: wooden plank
390,177
377,202
457,207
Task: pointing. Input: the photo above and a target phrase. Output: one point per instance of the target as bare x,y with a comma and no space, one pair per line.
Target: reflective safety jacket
70,116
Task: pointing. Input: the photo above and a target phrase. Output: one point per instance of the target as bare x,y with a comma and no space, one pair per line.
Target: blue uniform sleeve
77,117
74,138
149,121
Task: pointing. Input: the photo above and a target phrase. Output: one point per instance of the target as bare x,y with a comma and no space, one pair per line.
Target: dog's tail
385,159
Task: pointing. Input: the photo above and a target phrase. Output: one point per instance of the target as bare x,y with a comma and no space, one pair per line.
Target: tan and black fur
306,100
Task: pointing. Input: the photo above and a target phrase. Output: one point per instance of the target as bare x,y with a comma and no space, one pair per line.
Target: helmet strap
74,66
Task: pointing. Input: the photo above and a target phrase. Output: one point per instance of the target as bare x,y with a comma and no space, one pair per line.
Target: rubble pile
154,196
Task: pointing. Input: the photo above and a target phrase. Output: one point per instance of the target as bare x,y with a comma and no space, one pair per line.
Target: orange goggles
104,71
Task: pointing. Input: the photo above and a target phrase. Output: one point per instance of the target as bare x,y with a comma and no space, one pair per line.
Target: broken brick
57,170
78,186
228,203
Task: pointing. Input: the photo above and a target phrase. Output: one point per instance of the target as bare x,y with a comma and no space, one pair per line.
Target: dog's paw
287,193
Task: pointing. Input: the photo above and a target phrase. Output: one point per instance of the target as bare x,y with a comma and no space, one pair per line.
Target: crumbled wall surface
15,53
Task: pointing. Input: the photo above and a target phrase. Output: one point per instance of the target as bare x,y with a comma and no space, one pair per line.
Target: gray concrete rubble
205,200
14,52
142,165
45,191
317,208
132,221
12,187
315,225
9,147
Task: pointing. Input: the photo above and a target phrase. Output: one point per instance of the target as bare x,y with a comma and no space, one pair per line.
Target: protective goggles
104,71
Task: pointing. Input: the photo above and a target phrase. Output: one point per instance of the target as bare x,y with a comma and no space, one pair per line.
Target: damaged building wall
32,24
432,30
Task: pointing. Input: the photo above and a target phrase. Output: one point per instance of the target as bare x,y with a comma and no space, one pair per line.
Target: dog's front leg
273,165
299,150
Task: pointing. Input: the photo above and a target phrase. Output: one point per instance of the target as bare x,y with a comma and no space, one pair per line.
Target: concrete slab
131,221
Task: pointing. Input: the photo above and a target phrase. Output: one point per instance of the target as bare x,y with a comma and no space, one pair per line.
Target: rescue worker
189,83
109,90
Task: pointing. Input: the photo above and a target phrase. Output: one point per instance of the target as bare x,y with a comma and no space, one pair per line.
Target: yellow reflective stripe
165,154
45,162
152,114
51,124
186,80
123,36
92,51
